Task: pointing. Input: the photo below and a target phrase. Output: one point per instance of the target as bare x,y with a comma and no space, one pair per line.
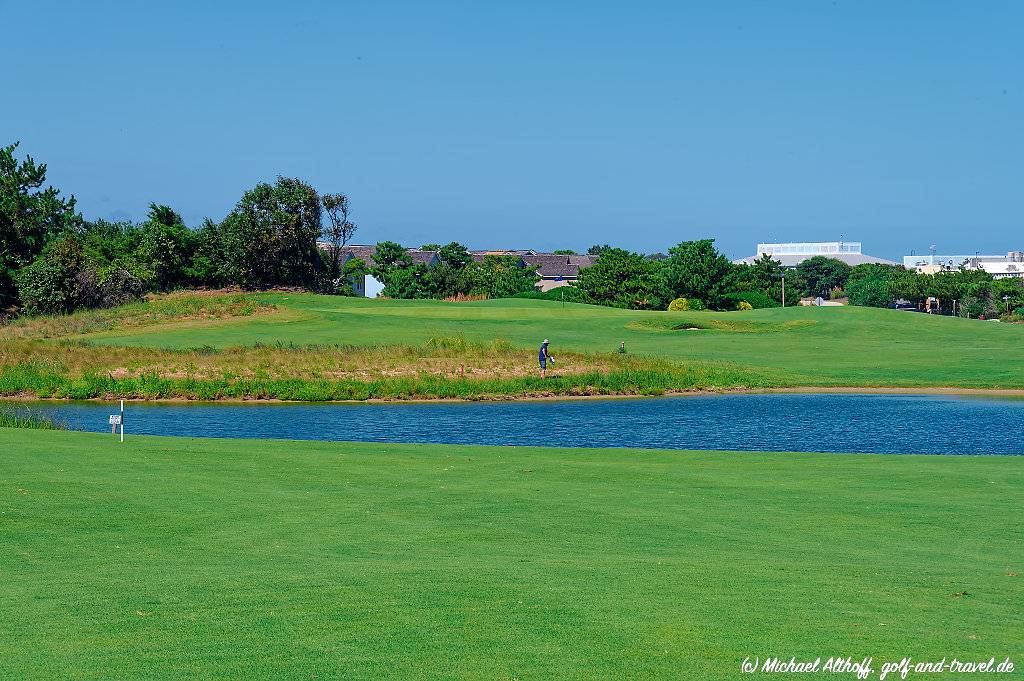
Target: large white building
999,266
793,253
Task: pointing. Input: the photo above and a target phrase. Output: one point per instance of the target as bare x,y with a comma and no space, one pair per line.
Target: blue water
893,424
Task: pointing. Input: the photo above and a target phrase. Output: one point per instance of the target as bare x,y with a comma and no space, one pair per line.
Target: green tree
871,285
207,267
620,278
821,274
408,282
389,256
52,283
270,238
695,269
29,217
166,248
503,276
451,274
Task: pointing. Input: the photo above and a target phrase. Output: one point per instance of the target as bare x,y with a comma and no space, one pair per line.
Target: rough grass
191,305
446,368
13,417
170,558
309,347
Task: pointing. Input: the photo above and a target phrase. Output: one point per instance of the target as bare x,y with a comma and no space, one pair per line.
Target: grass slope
824,346
178,558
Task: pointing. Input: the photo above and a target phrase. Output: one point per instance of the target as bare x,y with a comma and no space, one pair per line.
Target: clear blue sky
541,124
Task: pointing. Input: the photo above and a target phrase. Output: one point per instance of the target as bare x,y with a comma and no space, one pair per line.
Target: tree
620,278
29,217
451,275
564,251
270,238
695,269
821,274
51,284
338,231
166,248
598,249
408,282
503,276
354,268
870,285
207,267
388,257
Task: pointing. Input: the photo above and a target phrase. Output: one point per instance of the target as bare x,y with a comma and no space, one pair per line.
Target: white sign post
117,420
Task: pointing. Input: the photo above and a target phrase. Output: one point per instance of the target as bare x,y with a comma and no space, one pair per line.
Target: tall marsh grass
11,417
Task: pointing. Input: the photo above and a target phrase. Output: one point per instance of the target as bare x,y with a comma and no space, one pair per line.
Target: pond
889,424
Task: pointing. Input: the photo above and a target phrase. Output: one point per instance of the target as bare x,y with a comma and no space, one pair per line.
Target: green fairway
179,558
817,346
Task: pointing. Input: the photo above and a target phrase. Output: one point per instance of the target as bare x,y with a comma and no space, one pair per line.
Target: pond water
893,424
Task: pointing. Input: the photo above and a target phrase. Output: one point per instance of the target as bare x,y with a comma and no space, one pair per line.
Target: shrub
569,294
744,305
685,304
759,300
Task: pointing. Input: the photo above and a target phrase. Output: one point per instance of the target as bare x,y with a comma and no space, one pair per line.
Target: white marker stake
122,420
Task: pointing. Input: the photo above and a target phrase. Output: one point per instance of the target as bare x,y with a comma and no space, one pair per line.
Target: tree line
694,275
287,234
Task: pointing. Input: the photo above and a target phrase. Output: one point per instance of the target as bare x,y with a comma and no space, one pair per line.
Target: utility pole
783,289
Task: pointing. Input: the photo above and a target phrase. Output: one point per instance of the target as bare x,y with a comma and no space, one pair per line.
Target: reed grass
11,417
444,368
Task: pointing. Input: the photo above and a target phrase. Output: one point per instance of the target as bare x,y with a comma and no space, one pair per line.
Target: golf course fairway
184,558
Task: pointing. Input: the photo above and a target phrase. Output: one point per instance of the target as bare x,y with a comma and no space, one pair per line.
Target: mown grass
189,558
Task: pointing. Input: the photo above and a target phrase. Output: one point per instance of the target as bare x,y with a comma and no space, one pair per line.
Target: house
553,269
558,270
369,286
793,253
1006,266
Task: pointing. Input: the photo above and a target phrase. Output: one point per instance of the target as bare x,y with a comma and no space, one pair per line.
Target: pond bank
550,397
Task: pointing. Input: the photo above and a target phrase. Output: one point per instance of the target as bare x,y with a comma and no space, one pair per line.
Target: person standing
544,357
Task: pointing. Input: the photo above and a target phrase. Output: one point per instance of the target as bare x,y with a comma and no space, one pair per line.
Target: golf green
184,558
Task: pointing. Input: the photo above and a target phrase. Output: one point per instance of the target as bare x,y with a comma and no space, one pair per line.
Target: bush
51,284
759,300
744,305
685,304
569,294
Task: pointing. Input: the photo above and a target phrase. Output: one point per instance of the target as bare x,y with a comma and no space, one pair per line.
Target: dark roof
422,257
550,265
365,253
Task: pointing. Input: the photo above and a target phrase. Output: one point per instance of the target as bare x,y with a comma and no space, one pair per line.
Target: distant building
368,286
558,270
792,254
554,269
999,266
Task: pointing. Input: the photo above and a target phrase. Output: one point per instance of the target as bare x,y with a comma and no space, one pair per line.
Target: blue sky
541,124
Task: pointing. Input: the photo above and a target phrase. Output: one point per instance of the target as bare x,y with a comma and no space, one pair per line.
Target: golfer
543,357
